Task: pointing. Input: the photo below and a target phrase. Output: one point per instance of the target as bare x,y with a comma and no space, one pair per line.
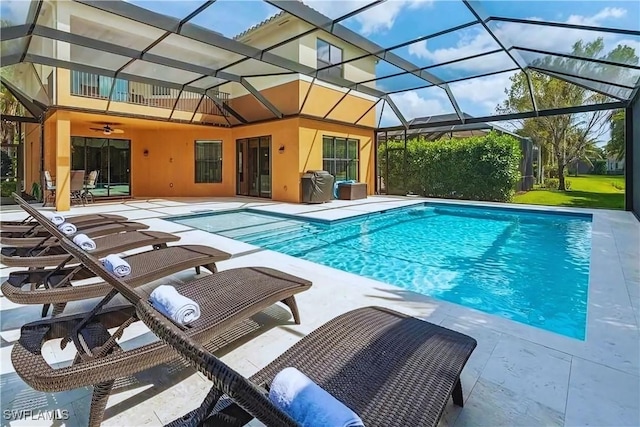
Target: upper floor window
328,55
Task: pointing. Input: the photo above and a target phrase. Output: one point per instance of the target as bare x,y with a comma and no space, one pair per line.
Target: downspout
376,189
41,144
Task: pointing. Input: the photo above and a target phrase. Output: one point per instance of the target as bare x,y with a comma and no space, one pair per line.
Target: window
340,157
208,161
328,55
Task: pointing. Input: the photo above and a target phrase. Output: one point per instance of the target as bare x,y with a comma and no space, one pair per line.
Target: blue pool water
529,267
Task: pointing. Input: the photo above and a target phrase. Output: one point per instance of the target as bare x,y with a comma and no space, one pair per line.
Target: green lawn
587,191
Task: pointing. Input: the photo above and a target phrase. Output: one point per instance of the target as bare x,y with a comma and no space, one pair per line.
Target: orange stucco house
165,140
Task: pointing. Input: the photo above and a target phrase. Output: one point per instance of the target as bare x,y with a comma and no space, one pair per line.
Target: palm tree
587,154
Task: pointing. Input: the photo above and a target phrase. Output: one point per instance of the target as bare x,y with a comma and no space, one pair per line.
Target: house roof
259,25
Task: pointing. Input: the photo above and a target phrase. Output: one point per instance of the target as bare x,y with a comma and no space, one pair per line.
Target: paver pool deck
518,375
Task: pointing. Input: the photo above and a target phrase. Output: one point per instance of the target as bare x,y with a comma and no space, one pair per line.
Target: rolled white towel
308,403
67,228
116,265
169,302
56,219
85,242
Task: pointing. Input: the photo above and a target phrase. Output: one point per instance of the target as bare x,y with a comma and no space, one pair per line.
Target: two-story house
615,166
157,138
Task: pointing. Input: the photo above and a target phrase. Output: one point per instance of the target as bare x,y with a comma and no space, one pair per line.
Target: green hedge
600,167
476,168
8,187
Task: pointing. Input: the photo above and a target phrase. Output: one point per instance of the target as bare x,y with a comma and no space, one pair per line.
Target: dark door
253,167
119,167
241,165
111,158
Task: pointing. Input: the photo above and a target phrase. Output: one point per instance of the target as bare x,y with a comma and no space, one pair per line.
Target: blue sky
398,21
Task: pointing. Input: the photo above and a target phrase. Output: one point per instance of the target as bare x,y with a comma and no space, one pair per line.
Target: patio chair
391,369
42,237
56,287
49,189
90,184
28,224
52,254
77,187
226,299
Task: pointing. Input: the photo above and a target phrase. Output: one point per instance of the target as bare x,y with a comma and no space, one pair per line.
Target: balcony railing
101,87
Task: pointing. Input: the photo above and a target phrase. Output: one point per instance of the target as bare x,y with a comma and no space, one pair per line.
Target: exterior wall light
281,149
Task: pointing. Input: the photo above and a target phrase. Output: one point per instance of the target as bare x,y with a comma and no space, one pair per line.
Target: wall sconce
145,153
281,149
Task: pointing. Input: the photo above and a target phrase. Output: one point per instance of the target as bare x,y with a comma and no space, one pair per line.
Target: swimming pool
526,266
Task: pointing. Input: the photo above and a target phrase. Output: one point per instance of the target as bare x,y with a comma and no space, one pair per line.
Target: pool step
247,232
280,235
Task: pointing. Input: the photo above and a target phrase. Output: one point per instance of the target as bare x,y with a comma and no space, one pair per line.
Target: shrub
7,187
36,191
551,183
551,171
476,168
554,184
599,167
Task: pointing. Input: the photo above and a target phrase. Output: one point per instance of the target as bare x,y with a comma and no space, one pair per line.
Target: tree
616,146
9,105
571,137
6,165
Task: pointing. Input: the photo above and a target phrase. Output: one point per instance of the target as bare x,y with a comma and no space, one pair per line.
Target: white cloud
603,15
14,11
482,95
378,18
486,92
411,104
477,41
472,42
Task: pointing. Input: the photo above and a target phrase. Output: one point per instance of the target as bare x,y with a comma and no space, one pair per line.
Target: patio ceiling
185,48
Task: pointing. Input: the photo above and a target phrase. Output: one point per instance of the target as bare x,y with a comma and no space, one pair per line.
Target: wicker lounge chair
52,255
56,286
225,299
91,230
28,223
391,369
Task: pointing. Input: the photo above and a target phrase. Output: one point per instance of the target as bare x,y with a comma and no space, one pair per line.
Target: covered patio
519,375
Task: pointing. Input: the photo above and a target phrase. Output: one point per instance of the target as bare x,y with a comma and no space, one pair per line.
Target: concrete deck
518,375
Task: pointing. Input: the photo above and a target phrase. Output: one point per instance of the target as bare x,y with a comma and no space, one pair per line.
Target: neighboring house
178,142
615,166
583,166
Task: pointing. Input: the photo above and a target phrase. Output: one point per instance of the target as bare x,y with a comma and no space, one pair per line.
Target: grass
587,191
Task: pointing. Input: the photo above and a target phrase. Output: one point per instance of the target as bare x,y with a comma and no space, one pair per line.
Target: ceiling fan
107,129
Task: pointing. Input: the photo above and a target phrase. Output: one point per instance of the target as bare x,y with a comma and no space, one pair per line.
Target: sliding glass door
254,167
111,158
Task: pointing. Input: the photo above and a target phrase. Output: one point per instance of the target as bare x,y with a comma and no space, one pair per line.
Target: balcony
101,87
